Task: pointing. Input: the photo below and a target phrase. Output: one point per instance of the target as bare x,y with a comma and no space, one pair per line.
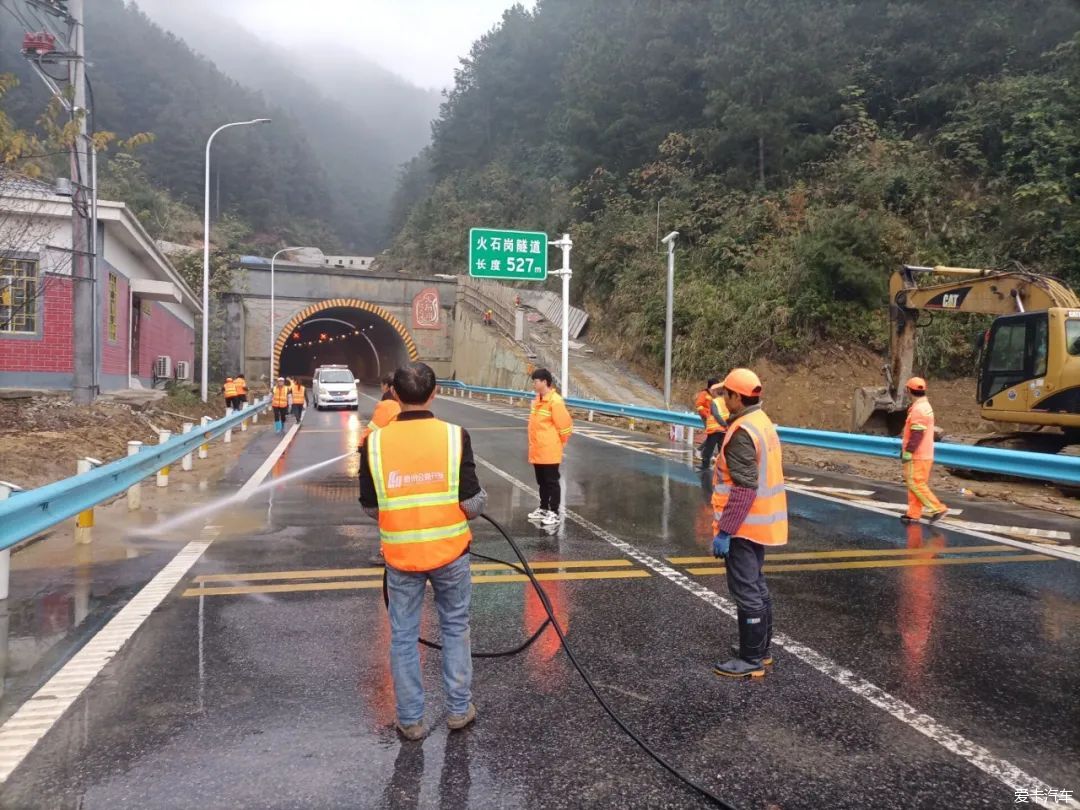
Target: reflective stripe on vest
711,425
426,529
767,522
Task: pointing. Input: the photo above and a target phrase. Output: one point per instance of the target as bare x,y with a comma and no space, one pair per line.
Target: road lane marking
331,573
907,563
976,755
33,720
360,584
859,552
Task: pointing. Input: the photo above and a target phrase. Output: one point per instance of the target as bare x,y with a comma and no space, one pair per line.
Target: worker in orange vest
550,427
279,401
917,456
229,392
418,479
241,392
750,513
298,396
386,409
714,418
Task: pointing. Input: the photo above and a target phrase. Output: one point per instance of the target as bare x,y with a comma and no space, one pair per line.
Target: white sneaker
550,518
537,514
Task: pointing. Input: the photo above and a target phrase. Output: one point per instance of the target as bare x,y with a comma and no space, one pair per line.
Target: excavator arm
966,290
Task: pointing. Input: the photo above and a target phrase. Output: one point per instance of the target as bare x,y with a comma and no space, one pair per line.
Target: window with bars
114,306
19,286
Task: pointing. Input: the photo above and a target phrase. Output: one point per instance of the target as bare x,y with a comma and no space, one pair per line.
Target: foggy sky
418,39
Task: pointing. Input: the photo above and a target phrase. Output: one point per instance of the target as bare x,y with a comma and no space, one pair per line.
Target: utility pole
84,286
669,240
565,273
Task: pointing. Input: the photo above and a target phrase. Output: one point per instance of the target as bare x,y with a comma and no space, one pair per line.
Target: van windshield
336,375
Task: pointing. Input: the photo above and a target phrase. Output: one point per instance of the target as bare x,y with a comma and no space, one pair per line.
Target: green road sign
508,255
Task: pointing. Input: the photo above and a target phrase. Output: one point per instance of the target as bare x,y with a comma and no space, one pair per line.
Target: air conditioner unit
163,367
183,370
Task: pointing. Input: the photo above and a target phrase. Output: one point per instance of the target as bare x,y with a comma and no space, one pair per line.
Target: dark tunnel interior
361,340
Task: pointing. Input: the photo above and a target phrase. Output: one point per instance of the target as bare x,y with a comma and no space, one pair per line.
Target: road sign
508,255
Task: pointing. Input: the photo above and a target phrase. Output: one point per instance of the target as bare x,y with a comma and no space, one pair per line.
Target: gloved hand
905,455
721,545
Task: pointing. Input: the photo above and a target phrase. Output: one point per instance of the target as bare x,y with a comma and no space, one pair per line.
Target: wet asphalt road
279,696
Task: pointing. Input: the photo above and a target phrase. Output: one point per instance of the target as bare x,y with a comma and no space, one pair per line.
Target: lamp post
272,310
669,240
206,253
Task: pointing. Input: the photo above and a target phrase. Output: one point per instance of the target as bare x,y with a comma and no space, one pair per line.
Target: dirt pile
41,436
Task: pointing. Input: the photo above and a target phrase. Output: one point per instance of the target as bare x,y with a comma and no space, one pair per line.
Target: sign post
564,272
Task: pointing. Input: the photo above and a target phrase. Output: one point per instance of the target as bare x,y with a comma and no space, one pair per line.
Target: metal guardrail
30,512
1057,469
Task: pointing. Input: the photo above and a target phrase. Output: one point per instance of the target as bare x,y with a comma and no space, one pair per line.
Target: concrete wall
482,356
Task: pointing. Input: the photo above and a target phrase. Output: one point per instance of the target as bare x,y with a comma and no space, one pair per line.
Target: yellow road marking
356,584
337,573
1012,558
866,552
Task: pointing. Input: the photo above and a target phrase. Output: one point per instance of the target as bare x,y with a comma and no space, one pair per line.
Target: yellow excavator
1029,363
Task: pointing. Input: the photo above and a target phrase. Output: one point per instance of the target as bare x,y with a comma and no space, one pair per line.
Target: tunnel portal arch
366,337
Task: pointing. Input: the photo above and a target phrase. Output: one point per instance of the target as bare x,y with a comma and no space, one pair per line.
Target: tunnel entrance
346,331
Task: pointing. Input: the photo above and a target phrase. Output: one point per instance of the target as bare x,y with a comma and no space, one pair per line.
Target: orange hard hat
916,384
744,382
228,379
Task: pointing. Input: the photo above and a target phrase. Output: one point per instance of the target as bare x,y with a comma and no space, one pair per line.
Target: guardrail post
255,416
163,473
6,489
228,433
204,448
243,423
489,397
186,462
84,522
134,493
630,422
469,394
590,416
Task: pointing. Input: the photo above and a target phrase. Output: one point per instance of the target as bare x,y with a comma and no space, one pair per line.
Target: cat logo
950,300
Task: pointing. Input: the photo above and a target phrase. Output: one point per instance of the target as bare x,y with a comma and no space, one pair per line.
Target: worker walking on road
418,479
550,427
750,513
703,405
279,401
386,409
298,395
917,455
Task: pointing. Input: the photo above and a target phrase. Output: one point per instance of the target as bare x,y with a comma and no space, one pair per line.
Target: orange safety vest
281,397
241,387
416,467
550,427
725,414
297,394
767,522
920,416
386,411
229,389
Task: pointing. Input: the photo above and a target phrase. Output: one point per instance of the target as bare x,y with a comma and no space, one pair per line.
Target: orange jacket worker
550,427
386,409
750,513
917,455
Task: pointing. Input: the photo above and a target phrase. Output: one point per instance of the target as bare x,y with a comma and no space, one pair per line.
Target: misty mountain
362,120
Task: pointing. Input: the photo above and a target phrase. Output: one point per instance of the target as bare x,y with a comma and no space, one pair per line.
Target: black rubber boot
767,657
753,631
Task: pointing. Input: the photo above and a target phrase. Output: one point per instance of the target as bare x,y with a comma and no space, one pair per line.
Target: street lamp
272,311
669,240
206,253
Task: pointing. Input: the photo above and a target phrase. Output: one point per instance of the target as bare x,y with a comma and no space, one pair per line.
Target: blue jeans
453,591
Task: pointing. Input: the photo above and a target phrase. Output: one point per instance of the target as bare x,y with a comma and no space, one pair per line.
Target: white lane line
981,758
25,728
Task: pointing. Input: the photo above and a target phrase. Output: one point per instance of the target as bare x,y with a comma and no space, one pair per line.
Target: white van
334,387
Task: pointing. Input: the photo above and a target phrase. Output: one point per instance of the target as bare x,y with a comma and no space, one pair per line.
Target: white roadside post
228,433
204,448
6,489
564,272
163,473
669,240
134,493
186,463
84,521
255,416
243,422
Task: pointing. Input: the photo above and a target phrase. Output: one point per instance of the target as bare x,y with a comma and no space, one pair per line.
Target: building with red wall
145,309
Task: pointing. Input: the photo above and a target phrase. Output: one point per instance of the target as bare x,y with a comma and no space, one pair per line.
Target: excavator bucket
875,411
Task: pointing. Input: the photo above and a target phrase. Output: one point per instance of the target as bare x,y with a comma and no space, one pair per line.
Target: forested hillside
803,149
281,181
